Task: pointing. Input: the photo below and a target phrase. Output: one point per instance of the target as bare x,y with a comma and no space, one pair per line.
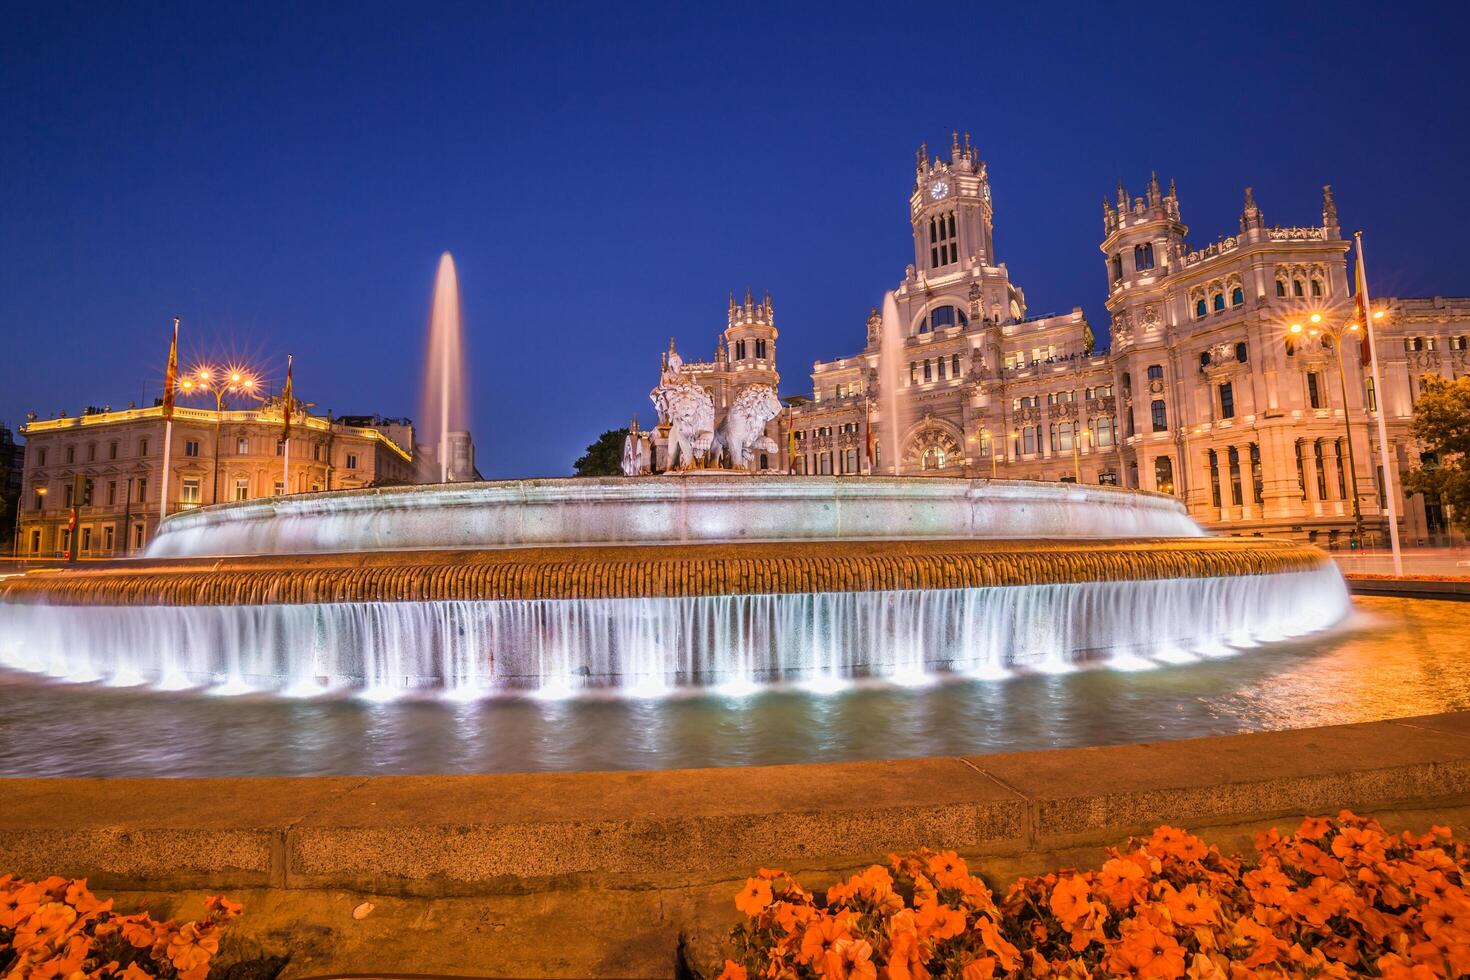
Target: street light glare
1378,315
1296,328
1316,318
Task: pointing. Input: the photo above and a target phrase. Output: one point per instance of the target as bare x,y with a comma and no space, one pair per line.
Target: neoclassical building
116,459
1208,393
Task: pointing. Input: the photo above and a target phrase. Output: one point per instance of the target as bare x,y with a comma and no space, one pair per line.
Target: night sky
285,178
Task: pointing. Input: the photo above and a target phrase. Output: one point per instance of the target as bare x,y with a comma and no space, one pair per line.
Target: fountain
446,392
650,584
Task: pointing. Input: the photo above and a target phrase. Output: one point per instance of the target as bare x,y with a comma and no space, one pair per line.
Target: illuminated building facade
1206,393
119,457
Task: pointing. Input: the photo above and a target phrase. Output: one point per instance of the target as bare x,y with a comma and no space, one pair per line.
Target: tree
1442,424
605,456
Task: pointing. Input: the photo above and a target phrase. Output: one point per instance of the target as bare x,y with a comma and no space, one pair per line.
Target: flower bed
57,929
1337,898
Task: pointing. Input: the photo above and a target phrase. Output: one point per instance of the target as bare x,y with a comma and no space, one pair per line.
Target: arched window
1219,302
1240,352
1296,287
1143,257
1290,348
1160,415
1281,287
1200,309
1102,430
1235,495
933,458
1214,459
955,365
1156,372
1237,296
944,316
1164,474
1117,267
1316,287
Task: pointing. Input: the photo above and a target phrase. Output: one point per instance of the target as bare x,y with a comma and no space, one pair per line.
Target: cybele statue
689,411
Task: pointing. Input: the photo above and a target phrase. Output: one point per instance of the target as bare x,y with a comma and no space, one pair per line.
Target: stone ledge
1409,586
500,834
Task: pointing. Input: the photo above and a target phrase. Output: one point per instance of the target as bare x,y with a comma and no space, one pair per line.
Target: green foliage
604,457
1442,424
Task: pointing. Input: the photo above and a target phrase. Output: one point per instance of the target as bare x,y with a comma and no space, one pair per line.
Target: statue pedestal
713,471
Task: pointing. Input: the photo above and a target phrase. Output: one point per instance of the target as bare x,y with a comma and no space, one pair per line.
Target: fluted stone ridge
655,571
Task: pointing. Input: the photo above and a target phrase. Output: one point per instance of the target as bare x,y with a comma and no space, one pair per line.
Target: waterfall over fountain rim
669,510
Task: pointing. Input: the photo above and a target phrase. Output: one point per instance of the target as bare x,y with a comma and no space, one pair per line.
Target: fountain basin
668,510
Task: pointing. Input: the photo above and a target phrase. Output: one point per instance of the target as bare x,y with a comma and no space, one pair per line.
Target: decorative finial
1329,207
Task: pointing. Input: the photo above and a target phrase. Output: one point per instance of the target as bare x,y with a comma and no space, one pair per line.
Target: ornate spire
1154,197
1122,196
1329,207
1250,217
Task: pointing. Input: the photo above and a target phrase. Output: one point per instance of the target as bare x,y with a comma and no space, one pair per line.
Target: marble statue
635,452
690,412
744,430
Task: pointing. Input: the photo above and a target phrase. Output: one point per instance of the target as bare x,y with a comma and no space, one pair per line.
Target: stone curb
467,835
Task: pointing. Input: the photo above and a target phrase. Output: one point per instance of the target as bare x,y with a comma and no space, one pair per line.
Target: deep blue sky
285,178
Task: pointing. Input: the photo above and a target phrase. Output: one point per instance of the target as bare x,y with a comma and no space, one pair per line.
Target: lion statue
744,429
690,412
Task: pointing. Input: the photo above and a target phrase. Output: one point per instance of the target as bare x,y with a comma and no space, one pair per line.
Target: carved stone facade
1205,394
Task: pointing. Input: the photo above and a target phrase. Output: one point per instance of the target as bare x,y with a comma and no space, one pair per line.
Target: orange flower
219,905
1069,900
45,926
851,959
821,935
140,930
948,869
1172,842
1316,903
1008,956
939,922
1394,967
1122,881
1358,847
732,971
1267,885
980,969
1314,861
906,958
754,897
1147,952
1261,944
1202,967
1190,907
1314,828
191,946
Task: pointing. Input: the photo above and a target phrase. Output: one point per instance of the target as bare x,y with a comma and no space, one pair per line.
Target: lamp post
218,382
1317,327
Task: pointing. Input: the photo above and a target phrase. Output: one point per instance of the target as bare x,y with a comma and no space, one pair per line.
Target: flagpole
1388,495
286,406
168,420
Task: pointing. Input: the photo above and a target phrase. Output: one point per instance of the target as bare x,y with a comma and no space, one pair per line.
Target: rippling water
1397,658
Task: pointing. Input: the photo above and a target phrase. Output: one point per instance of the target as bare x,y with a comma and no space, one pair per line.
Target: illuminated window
242,446
242,489
1164,474
189,496
1160,415
1227,400
1235,493
191,447
1237,296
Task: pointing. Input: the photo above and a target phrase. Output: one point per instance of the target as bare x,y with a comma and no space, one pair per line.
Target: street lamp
1320,329
219,382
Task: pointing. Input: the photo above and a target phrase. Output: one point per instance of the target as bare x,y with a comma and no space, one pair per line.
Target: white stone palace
1206,393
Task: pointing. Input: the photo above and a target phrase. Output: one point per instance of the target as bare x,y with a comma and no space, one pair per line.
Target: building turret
951,211
750,337
1140,235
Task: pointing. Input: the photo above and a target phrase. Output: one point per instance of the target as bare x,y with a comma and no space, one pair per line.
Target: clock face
938,189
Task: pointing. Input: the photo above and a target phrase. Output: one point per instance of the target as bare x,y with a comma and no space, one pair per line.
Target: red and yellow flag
171,376
287,403
1360,308
868,424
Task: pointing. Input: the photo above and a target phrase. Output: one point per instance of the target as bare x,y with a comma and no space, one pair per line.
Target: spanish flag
1360,307
287,405
171,376
868,424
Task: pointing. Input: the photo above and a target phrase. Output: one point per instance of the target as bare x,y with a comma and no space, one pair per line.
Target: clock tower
950,211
